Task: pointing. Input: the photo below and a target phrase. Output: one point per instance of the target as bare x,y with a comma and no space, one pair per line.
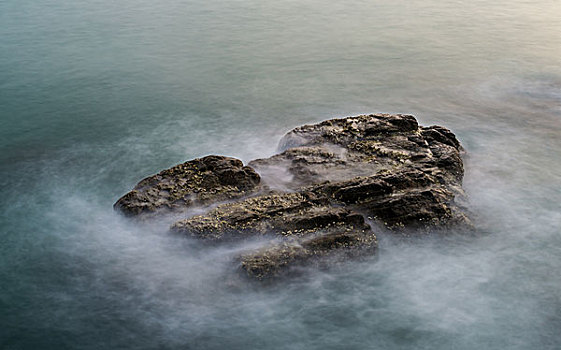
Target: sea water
95,95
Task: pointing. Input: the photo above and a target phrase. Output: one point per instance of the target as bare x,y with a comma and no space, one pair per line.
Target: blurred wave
97,95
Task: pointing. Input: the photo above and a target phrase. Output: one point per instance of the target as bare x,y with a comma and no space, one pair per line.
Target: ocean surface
95,95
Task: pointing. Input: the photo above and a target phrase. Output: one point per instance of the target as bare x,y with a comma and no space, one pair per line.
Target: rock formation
196,182
312,198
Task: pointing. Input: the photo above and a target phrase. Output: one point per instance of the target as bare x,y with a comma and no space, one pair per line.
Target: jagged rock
341,149
338,241
196,182
410,198
314,196
284,214
385,166
307,227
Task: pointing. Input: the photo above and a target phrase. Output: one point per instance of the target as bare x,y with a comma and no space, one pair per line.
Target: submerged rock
311,199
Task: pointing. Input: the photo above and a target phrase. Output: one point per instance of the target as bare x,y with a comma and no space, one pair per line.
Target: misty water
96,95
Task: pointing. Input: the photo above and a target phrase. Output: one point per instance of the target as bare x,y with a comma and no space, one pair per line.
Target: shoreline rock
312,198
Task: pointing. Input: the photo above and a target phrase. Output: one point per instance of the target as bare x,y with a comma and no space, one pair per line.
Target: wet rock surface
311,200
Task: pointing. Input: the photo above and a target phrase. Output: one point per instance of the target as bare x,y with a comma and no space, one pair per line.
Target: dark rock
306,228
314,195
385,166
341,149
281,214
339,242
196,182
407,198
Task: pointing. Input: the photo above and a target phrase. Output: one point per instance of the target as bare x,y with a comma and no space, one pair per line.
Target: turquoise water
96,95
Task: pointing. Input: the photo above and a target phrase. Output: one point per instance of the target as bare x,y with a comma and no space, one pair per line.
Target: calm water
96,95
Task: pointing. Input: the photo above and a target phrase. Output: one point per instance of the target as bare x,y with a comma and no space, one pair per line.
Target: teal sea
95,95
